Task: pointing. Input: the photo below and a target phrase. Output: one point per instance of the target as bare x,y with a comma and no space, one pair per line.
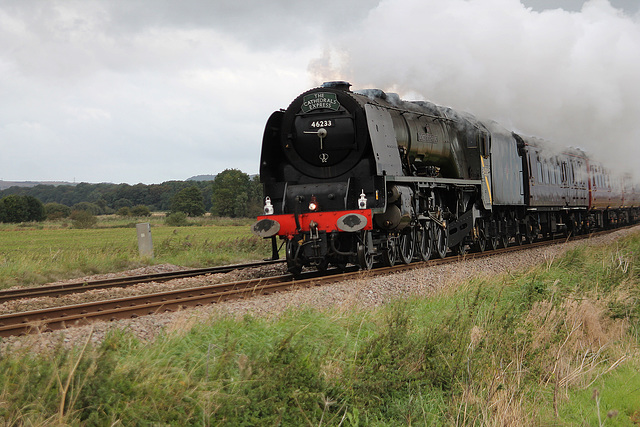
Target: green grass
526,348
613,400
35,253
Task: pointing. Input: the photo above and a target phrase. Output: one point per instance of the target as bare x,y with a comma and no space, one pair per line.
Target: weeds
527,348
64,389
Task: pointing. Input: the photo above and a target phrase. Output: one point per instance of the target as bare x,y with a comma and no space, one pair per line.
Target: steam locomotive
364,177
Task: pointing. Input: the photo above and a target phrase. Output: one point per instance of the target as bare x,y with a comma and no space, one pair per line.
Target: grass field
32,254
558,345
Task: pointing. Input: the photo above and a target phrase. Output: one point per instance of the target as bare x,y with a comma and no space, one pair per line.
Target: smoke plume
567,77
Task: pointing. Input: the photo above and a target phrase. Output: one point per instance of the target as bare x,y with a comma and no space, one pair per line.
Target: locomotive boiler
360,177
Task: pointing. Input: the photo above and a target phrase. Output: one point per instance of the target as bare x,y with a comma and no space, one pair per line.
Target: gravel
361,293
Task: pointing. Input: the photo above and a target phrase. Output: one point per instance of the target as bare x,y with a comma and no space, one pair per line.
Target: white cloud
143,91
570,77
186,100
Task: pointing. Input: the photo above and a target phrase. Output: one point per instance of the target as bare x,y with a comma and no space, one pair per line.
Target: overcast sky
150,91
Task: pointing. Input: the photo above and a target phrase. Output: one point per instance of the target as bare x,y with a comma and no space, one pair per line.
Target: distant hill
28,184
6,184
202,178
210,177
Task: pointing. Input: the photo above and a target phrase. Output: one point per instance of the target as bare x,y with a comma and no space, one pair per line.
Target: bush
35,209
83,219
15,208
176,219
124,211
55,211
12,209
140,210
88,207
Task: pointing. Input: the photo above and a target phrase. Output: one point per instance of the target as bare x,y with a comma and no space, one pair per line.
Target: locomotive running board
430,182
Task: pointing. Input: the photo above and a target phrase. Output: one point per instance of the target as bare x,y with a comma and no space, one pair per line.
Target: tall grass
557,345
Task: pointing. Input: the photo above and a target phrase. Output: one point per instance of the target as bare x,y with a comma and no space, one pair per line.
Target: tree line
232,193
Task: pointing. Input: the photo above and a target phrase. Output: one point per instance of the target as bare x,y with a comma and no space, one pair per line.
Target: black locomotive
359,177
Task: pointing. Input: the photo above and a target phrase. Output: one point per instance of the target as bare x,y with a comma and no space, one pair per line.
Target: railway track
120,282
50,319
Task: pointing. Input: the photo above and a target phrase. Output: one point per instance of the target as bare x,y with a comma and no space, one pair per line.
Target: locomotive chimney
340,85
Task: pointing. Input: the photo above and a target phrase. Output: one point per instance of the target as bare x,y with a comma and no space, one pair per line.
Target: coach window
579,176
540,172
572,173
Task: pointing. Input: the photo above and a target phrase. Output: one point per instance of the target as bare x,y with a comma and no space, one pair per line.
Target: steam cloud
568,77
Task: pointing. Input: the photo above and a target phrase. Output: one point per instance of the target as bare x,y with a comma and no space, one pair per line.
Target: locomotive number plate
322,123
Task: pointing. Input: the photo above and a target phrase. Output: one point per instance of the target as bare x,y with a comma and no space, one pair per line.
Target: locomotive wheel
441,240
322,266
293,266
340,264
424,242
481,242
519,239
407,245
365,257
530,235
494,242
504,236
461,249
389,253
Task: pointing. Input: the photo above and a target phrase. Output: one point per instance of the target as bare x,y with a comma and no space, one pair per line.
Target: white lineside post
145,245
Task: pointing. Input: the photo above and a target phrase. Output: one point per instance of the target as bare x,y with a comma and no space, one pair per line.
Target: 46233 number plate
321,123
